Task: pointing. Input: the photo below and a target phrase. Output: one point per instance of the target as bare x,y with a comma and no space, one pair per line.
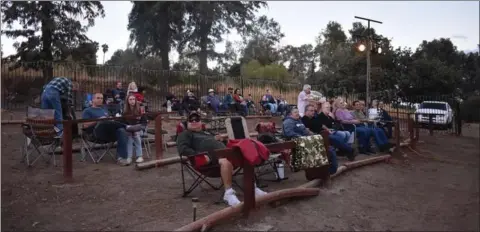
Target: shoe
351,156
259,192
129,160
230,198
134,128
122,162
59,135
139,160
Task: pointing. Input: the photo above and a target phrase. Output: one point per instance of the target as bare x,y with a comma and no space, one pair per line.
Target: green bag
310,152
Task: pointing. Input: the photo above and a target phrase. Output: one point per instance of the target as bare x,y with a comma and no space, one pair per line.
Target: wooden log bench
249,170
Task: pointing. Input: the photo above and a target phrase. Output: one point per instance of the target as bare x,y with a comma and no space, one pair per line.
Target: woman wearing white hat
213,100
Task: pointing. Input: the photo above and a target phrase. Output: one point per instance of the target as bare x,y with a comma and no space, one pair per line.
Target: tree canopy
53,32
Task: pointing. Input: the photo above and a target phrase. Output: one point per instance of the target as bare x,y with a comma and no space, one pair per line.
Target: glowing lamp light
379,50
361,47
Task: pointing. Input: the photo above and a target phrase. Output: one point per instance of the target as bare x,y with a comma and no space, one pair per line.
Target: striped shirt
64,86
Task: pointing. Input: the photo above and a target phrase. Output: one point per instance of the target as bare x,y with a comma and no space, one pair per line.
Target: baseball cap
211,90
193,114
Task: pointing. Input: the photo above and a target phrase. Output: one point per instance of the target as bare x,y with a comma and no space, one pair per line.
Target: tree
51,29
208,21
260,40
156,27
104,50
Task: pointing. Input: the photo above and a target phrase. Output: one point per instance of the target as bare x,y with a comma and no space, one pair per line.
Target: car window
431,105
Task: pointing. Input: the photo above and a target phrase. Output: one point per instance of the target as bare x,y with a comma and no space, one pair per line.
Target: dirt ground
435,188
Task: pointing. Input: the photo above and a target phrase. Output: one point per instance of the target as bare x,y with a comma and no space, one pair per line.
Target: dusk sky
406,23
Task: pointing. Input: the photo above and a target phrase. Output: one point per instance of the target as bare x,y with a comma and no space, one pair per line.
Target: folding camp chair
89,143
237,129
40,136
200,173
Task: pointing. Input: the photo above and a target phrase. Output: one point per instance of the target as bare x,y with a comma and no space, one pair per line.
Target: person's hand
355,121
218,137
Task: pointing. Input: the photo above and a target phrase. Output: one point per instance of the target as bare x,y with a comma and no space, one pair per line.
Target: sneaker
129,160
139,160
230,198
122,162
134,128
59,135
259,192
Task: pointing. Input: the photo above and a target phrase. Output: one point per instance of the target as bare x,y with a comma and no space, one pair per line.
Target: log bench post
249,170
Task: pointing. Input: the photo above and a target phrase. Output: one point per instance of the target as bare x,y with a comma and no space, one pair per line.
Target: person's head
132,87
357,105
326,107
307,89
237,91
374,104
268,91
132,106
309,111
339,103
211,92
294,113
75,86
362,104
97,100
119,85
230,90
193,121
381,104
189,93
142,90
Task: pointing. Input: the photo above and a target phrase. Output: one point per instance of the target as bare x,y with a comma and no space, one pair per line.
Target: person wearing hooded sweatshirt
213,100
293,127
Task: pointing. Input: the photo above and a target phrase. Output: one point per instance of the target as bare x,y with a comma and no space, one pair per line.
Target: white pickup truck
442,113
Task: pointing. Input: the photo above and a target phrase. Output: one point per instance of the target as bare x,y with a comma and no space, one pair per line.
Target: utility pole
369,50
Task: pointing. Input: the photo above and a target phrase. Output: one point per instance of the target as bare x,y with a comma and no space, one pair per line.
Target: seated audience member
118,93
213,101
190,102
269,102
345,117
105,129
386,121
228,101
132,108
250,103
240,102
378,134
282,105
88,100
315,125
327,121
294,128
194,141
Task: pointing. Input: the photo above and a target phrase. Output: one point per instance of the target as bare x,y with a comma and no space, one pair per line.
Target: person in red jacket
240,102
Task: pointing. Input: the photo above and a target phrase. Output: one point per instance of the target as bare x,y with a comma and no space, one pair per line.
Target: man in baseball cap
194,140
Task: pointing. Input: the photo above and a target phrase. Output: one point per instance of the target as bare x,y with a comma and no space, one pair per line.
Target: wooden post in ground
158,137
67,151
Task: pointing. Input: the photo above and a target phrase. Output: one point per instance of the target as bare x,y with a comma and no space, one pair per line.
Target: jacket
293,128
313,124
213,100
253,151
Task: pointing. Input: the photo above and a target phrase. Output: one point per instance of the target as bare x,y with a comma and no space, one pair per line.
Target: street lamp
361,47
369,49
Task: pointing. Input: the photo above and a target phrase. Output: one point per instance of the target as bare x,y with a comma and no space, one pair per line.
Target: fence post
458,119
411,132
249,187
67,151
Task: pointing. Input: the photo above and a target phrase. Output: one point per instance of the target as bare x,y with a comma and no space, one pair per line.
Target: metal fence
22,85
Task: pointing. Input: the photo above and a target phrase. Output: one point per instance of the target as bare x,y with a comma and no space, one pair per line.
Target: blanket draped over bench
309,152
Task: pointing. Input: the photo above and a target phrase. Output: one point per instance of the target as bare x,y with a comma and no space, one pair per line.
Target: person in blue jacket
293,127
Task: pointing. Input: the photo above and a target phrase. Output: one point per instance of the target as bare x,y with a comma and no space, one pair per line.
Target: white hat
211,90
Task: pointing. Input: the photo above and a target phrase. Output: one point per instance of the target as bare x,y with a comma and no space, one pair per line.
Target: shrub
470,109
